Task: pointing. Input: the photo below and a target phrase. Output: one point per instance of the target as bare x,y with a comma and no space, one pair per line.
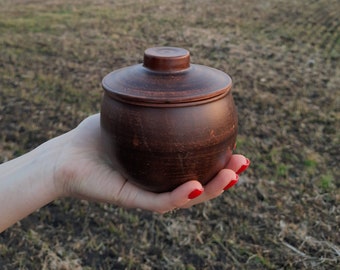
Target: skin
75,164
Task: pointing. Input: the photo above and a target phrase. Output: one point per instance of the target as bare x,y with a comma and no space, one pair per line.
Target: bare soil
283,57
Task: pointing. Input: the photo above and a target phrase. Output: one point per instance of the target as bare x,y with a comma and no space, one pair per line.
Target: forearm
27,184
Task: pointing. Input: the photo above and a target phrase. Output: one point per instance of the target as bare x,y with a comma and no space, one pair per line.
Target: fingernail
231,183
243,167
195,193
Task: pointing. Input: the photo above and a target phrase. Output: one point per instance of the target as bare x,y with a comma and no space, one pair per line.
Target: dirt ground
283,57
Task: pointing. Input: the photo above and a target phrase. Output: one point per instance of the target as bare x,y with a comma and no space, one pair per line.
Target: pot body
161,147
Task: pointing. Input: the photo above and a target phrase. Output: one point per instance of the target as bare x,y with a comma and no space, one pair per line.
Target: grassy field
283,57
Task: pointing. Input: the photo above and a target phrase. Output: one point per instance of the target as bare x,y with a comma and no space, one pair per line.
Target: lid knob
166,59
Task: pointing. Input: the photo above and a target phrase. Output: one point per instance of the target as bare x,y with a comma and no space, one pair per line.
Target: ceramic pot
167,121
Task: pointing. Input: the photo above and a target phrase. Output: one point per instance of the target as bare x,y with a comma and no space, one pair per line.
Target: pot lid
166,77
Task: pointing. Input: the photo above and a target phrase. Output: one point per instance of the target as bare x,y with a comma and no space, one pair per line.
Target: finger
132,196
238,163
224,180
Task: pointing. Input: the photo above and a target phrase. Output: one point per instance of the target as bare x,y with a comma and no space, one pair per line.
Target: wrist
49,156
27,184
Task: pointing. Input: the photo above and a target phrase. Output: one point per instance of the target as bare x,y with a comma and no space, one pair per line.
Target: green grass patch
326,182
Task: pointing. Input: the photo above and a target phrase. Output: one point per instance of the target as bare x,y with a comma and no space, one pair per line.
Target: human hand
83,170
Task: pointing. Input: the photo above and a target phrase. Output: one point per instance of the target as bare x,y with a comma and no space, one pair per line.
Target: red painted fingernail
243,167
195,193
231,183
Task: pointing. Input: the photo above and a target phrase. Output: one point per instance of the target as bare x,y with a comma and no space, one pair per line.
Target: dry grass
283,57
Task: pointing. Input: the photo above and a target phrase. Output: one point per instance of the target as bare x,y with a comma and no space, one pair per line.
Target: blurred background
283,57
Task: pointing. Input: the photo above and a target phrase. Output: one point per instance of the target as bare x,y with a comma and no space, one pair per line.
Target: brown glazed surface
166,121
